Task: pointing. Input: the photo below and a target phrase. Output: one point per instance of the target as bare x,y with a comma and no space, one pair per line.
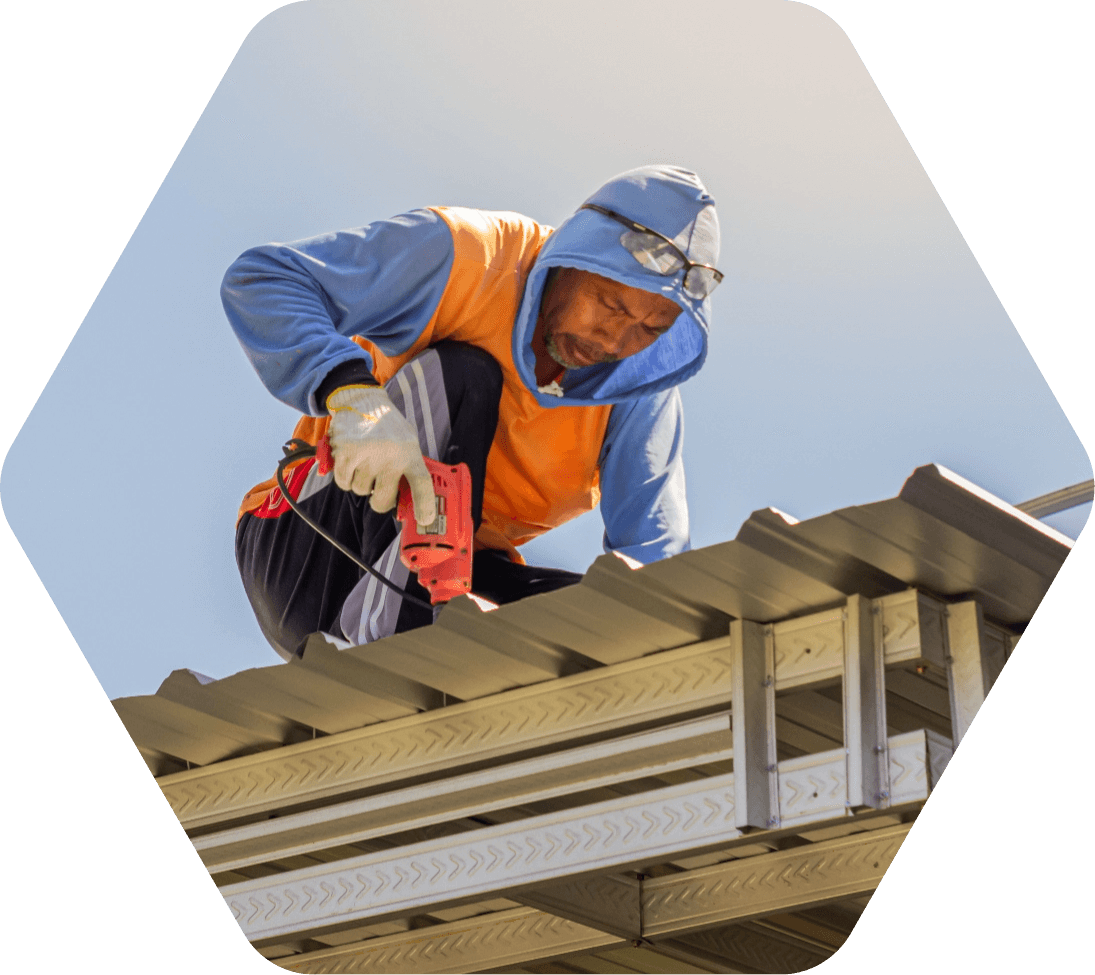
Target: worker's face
586,319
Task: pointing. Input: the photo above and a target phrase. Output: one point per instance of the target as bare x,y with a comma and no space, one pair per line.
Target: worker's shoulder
482,235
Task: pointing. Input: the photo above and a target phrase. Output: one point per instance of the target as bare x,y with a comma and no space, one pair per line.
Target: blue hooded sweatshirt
319,313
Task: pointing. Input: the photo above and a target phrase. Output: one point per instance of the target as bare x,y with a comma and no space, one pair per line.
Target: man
546,360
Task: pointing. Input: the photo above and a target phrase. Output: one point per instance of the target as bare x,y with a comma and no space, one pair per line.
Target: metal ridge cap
958,502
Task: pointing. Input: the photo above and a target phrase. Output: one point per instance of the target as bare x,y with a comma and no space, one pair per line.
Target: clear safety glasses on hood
672,202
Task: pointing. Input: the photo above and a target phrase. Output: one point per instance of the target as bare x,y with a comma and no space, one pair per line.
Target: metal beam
503,939
603,764
864,706
691,679
804,876
685,914
490,861
750,713
966,665
648,827
688,680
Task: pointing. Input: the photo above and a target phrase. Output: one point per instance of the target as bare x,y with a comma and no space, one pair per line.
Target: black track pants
298,583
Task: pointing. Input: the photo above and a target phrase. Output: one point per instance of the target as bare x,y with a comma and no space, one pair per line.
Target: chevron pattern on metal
913,629
911,760
601,837
505,938
809,649
519,783
677,682
790,879
813,787
648,827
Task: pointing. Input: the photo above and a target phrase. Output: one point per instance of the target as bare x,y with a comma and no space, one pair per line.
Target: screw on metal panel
882,795
875,610
878,749
769,768
772,822
767,682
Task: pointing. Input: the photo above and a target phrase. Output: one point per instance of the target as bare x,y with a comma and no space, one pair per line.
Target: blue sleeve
294,306
642,478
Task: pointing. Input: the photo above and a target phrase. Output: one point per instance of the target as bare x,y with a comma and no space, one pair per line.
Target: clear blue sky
854,338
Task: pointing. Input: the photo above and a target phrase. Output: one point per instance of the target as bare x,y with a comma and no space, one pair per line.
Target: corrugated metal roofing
627,664
941,534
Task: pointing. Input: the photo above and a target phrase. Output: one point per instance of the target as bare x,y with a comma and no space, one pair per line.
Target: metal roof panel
941,534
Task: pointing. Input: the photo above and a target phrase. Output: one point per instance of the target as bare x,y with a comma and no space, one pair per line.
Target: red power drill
441,552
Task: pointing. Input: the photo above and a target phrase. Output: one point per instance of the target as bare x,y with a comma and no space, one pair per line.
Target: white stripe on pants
371,610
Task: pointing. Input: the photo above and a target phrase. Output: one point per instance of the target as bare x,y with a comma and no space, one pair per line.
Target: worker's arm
294,306
642,479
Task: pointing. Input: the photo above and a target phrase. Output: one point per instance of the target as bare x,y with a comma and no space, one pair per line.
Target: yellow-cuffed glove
373,447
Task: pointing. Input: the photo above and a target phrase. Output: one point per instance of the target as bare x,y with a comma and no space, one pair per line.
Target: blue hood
667,199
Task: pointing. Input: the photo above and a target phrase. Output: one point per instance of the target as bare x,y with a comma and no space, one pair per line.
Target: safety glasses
656,252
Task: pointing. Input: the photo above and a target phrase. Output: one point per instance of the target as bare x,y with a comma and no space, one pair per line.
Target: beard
560,358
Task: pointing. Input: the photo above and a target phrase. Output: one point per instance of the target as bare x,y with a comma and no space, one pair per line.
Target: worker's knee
472,368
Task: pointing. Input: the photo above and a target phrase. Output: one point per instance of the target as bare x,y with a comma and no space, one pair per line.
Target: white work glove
373,446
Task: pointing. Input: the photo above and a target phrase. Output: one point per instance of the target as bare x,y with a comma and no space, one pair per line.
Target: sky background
854,338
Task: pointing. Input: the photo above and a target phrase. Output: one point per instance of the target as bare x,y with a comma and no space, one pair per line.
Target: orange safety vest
542,465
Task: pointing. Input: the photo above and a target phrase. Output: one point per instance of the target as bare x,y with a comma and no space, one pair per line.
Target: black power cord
297,449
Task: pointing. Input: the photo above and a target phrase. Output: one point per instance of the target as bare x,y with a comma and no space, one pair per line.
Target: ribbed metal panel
941,535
